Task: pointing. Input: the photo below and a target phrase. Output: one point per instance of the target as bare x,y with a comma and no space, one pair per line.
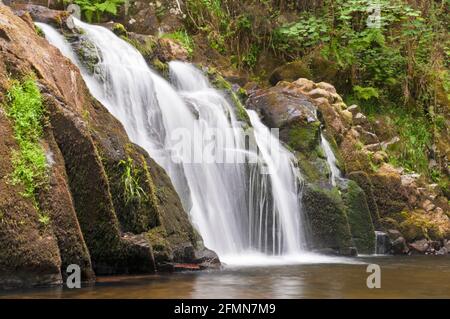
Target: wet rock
327,219
399,246
394,234
41,14
419,246
171,50
358,216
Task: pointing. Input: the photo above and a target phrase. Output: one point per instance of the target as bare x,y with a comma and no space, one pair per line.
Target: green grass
415,139
26,111
132,191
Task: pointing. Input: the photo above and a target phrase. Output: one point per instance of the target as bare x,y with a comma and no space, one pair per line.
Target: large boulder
327,221
359,217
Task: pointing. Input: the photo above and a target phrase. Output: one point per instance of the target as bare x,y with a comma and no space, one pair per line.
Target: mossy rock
417,225
326,219
219,82
119,30
302,137
162,249
359,218
363,181
290,72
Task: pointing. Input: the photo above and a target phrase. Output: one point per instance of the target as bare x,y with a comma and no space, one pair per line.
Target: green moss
26,111
416,226
162,248
359,218
304,137
290,72
119,29
220,83
146,48
39,31
161,67
326,218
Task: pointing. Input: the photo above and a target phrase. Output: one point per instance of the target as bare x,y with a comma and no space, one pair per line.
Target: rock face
378,197
339,218
92,224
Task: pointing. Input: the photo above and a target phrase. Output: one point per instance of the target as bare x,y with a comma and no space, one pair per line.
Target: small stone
355,109
426,203
327,87
316,93
399,246
420,246
373,147
348,116
305,84
360,119
393,234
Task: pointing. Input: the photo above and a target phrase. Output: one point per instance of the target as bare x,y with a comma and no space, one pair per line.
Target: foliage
132,191
94,9
240,29
415,141
26,111
183,38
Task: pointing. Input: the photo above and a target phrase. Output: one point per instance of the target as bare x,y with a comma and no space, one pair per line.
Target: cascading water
239,205
331,160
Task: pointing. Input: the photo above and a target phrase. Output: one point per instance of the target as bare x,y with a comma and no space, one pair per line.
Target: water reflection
402,277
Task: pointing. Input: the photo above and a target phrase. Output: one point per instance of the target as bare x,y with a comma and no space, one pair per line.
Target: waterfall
248,201
331,160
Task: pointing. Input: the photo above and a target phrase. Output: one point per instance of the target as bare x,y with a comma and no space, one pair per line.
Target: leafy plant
94,9
366,93
132,191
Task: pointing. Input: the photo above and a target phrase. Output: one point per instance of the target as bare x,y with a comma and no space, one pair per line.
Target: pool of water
401,277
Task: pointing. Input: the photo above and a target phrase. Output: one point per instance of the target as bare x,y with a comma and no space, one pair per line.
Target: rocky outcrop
92,223
394,199
339,218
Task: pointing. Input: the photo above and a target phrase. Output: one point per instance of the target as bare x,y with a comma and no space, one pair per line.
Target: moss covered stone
290,72
326,219
359,218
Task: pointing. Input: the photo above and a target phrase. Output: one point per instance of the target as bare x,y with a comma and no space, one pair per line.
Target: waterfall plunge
331,160
239,208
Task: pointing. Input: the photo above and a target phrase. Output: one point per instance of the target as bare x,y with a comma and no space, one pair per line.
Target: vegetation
133,192
93,10
396,65
26,111
183,38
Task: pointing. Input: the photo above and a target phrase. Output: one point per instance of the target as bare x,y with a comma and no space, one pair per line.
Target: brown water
401,277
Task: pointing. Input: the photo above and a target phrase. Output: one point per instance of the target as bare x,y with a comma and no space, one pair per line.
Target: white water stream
241,209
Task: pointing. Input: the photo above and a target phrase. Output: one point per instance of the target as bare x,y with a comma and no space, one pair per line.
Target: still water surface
401,277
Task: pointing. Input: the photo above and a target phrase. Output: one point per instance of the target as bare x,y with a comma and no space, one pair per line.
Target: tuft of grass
132,191
26,111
